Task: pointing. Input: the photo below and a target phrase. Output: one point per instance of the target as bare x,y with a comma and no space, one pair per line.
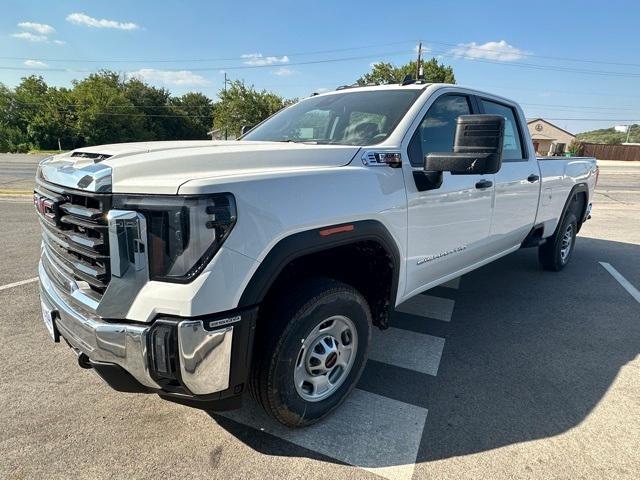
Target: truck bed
559,175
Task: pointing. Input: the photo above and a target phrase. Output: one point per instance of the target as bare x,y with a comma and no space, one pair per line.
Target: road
17,170
511,372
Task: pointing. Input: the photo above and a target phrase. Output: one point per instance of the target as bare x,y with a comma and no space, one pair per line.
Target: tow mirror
477,148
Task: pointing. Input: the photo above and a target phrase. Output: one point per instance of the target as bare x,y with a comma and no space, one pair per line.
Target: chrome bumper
204,355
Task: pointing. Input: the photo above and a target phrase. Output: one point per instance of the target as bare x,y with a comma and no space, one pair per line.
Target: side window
438,128
512,148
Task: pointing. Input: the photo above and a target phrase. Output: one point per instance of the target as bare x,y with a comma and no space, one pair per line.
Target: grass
15,192
51,152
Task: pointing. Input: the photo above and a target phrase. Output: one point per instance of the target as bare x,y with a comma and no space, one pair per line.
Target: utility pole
225,91
418,64
629,127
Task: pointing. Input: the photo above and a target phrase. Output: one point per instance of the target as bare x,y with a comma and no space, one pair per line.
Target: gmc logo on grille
45,206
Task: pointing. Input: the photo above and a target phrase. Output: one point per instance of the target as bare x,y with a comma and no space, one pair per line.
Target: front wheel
310,364
556,252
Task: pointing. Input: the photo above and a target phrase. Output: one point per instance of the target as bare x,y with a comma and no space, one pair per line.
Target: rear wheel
311,362
556,252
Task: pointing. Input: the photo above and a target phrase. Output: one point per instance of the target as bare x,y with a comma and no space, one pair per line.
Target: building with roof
549,139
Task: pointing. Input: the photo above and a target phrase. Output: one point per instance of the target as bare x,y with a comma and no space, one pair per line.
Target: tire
555,254
320,309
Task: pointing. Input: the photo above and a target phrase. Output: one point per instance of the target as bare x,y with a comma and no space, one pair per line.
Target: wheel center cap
331,360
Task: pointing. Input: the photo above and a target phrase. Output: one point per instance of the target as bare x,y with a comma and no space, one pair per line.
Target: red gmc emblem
45,206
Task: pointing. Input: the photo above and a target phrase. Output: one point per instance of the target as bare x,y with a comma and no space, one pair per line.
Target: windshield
349,118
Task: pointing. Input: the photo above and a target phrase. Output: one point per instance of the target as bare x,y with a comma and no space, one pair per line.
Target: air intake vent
96,157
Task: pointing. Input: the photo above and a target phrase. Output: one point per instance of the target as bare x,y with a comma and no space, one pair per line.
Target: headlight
184,232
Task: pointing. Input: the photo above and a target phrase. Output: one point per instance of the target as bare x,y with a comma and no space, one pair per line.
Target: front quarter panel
274,206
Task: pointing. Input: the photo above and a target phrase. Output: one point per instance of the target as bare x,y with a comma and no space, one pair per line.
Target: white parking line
428,306
17,284
406,349
455,283
633,291
369,431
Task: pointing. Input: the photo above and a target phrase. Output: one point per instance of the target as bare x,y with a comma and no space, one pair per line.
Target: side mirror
477,148
245,129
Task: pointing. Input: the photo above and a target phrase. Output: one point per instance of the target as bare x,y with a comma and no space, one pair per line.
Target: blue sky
522,50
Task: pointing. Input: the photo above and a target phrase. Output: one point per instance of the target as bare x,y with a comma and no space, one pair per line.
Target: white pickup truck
199,270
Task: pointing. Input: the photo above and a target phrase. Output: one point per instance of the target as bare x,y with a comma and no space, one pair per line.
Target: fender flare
577,188
311,241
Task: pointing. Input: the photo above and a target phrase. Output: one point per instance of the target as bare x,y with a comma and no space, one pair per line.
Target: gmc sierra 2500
198,270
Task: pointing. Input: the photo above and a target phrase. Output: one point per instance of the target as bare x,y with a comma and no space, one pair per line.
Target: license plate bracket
48,320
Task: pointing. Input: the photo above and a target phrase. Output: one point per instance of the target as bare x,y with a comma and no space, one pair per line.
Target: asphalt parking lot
510,372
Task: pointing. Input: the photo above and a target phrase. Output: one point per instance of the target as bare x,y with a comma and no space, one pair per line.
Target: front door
517,183
447,227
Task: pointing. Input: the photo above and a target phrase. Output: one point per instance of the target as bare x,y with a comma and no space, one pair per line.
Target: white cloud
41,28
87,21
284,72
500,51
259,59
30,37
321,90
59,42
35,63
170,77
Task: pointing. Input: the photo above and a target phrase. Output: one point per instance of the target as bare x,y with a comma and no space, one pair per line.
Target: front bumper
209,356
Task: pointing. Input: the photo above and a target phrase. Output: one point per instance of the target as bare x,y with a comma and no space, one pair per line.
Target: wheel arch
578,190
316,241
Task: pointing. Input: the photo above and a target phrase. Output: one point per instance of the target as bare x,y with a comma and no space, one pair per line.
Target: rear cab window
512,149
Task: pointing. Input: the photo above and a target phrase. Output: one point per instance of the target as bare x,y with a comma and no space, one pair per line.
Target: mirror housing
477,148
245,128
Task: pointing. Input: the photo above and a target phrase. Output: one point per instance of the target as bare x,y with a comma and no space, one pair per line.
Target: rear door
447,227
517,184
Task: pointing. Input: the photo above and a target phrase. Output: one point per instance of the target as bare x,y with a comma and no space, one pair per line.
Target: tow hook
84,362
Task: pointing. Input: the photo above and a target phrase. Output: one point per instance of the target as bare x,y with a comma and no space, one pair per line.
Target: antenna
419,63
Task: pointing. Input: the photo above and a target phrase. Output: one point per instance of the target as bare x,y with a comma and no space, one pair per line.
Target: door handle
484,184
533,178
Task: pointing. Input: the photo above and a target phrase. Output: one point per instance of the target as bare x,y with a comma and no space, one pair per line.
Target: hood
161,167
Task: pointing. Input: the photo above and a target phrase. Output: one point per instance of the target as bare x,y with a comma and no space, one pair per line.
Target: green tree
243,105
197,116
54,123
11,137
382,73
105,114
610,135
153,110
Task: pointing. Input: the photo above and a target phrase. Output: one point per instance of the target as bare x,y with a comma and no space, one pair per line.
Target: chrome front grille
75,237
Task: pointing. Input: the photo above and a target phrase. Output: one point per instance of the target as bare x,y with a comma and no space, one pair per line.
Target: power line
564,92
233,67
187,107
76,105
218,59
531,55
554,68
317,52
535,66
593,119
139,114
578,107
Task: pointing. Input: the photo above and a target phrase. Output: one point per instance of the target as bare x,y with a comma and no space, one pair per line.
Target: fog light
163,348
